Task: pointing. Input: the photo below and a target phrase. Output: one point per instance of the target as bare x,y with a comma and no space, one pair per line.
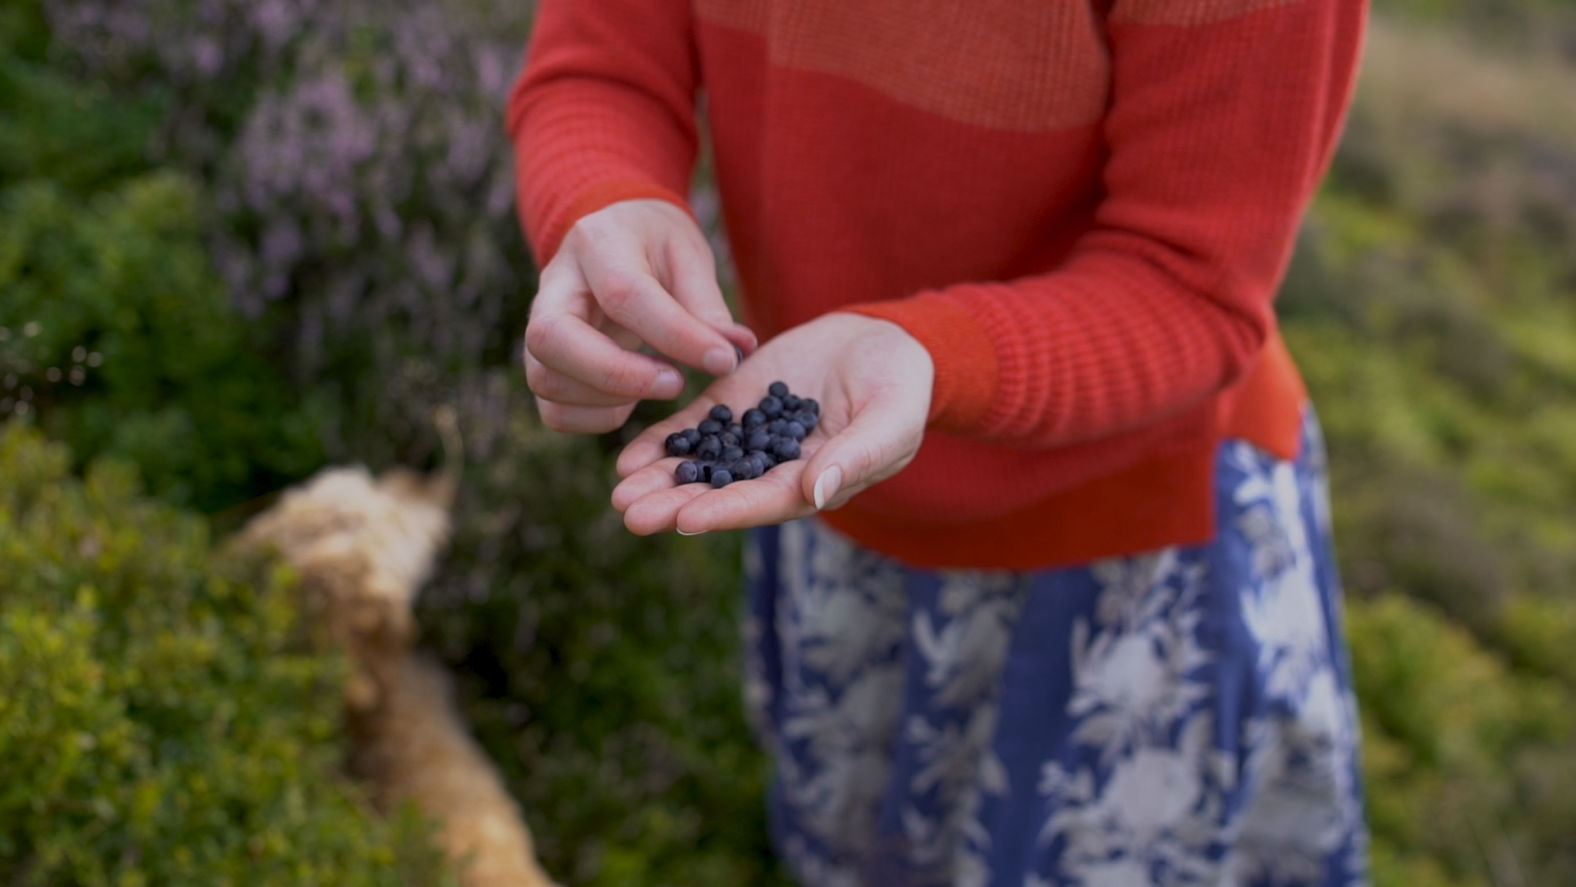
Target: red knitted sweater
1082,208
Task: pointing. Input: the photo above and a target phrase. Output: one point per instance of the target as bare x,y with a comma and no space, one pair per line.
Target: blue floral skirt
1180,717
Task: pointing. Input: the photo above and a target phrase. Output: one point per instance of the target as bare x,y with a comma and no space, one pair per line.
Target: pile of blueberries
725,451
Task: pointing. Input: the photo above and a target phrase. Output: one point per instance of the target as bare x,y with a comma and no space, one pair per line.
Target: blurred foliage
1430,306
1469,764
115,330
361,184
600,668
165,720
354,208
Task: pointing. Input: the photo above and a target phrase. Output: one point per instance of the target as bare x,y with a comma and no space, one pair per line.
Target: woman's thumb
874,446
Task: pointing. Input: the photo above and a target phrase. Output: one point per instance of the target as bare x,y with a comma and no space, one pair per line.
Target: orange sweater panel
1083,211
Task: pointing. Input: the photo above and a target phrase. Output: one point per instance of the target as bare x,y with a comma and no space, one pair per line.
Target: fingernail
826,486
718,361
696,533
668,384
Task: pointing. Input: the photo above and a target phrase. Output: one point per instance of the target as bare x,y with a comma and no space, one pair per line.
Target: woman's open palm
873,381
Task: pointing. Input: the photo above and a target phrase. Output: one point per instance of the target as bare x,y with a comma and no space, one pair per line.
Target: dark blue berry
759,439
687,472
778,427
787,449
753,417
791,404
710,448
692,435
795,431
677,445
771,406
721,477
729,439
808,419
730,455
777,389
744,469
710,426
736,430
721,413
812,405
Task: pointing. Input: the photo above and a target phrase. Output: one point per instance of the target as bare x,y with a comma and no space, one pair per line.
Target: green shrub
164,720
115,331
600,670
1470,766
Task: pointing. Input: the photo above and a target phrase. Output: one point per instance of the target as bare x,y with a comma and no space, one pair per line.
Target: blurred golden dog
363,547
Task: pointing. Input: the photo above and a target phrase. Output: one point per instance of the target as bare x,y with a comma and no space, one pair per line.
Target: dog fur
363,546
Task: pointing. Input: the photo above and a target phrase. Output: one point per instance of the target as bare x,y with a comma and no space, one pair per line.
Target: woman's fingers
633,298
563,349
582,420
653,502
693,274
769,499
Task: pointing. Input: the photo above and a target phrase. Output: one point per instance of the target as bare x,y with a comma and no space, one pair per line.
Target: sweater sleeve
603,111
1223,117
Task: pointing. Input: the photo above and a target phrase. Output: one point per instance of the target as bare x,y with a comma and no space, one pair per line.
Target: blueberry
795,431
791,404
687,472
730,455
777,389
710,426
778,427
709,448
736,430
771,406
753,417
808,419
677,445
744,469
812,405
787,449
692,435
721,477
721,413
758,440
729,439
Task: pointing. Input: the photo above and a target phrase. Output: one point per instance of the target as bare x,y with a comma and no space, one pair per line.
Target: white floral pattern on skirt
1182,717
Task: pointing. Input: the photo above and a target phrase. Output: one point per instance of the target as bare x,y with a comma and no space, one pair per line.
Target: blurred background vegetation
243,240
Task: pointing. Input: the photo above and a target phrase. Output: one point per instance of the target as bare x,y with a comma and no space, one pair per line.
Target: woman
1049,598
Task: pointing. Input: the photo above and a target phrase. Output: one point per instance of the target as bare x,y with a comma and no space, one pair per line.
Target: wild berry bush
166,719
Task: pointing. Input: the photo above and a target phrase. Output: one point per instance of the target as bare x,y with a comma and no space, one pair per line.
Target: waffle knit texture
1083,210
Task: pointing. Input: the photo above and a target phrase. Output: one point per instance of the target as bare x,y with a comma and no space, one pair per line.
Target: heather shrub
357,160
165,719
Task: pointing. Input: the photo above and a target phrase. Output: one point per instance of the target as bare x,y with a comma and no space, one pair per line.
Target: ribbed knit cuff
598,196
965,360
